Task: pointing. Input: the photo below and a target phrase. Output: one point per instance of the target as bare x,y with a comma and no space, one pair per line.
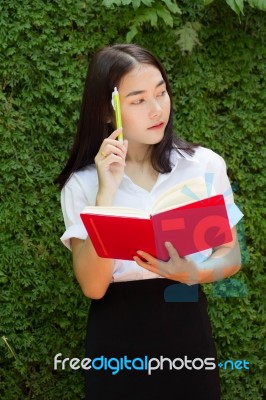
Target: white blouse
81,190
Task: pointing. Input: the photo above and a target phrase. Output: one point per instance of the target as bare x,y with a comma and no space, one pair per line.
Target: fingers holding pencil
112,146
110,163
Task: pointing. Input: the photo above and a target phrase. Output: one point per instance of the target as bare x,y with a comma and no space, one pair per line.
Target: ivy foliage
219,101
238,5
142,12
146,11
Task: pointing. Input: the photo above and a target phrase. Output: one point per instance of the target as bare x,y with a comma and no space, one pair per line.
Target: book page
184,193
116,211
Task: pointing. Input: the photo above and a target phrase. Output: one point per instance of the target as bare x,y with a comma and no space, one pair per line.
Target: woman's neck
138,154
139,168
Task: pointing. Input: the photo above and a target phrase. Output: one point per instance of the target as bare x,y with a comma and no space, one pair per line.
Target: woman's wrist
104,199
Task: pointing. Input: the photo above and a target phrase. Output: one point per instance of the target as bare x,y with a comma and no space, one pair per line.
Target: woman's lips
157,126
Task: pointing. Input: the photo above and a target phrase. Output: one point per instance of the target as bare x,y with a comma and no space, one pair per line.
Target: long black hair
105,71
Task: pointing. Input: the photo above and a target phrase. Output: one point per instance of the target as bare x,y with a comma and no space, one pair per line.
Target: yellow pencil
116,106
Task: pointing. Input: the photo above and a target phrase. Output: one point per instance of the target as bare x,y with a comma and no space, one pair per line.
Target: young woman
130,322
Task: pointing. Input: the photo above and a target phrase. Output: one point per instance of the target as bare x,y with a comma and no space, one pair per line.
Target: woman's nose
155,108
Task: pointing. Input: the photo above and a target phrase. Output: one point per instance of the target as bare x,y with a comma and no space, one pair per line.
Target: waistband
165,289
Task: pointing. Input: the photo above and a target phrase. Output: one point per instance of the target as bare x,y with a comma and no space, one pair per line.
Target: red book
191,227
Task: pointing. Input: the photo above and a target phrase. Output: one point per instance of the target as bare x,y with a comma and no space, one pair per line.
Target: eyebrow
136,92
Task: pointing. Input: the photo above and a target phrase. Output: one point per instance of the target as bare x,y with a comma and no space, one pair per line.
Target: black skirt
150,340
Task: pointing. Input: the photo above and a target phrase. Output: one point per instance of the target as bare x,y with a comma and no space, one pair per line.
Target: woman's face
145,105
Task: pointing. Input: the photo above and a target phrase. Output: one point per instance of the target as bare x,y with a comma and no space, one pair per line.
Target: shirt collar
175,156
178,154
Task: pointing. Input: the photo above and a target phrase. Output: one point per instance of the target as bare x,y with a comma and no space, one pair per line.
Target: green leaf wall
219,101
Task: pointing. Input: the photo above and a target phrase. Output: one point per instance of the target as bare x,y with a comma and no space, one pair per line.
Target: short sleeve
222,186
73,201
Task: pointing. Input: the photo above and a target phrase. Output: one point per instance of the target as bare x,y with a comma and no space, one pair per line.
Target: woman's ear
110,120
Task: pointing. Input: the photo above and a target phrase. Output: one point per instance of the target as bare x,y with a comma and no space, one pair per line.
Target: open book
185,215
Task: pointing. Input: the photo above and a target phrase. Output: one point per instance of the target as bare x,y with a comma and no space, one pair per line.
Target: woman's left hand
177,268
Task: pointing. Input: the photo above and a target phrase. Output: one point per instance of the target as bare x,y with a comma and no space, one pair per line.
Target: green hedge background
217,67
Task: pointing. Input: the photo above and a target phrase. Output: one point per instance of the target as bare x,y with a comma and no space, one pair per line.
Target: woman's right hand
110,165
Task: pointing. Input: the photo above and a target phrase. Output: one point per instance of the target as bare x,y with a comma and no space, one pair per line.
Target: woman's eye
163,93
138,101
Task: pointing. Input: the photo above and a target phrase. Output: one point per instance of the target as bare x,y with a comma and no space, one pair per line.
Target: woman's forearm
93,273
224,262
